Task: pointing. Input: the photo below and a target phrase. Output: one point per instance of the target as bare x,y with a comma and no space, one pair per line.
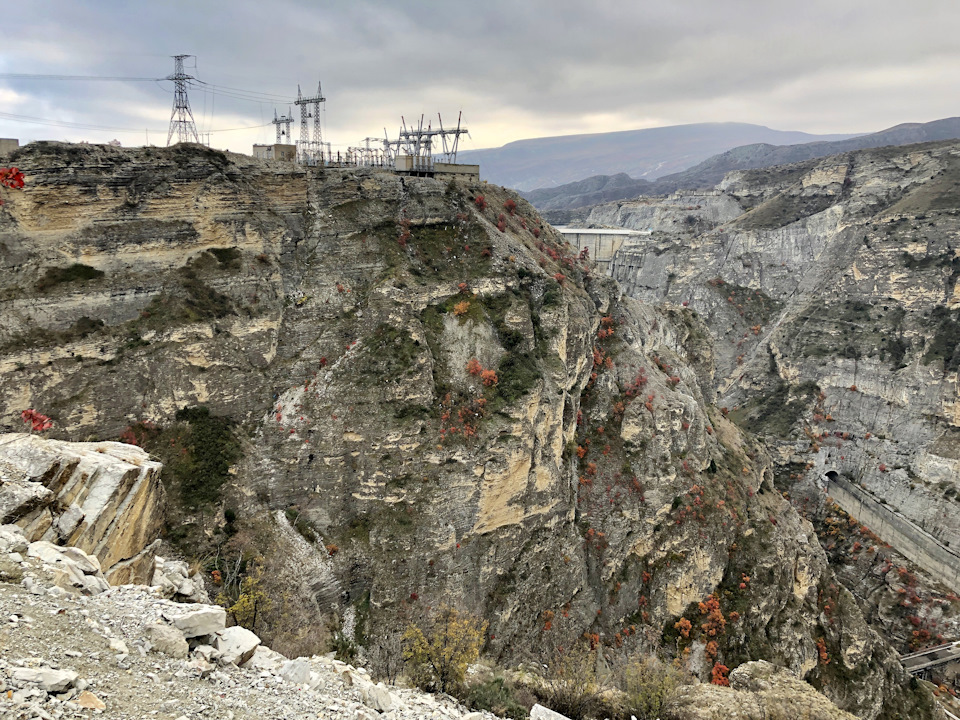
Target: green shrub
570,686
302,525
203,447
518,373
945,341
646,683
498,697
438,653
70,274
228,257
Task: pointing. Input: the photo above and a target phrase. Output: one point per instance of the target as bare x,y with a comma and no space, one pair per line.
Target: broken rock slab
236,645
104,497
167,640
19,496
265,660
539,712
47,679
75,571
207,620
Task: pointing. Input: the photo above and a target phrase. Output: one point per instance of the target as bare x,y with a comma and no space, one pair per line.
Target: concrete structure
913,542
424,165
602,243
8,145
917,663
457,170
277,151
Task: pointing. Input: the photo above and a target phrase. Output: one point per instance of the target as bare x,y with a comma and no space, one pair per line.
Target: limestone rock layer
445,399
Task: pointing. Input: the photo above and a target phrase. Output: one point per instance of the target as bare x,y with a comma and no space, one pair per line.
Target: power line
32,120
222,88
248,127
29,76
236,93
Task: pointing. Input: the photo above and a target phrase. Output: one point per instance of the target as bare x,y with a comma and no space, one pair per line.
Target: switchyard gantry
283,126
413,150
366,155
310,146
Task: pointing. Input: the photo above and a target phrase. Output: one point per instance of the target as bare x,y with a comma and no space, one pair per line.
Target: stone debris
130,652
172,579
75,571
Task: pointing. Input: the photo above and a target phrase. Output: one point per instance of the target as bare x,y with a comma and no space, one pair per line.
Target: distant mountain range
620,186
646,154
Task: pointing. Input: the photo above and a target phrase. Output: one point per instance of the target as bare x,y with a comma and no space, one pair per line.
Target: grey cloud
545,63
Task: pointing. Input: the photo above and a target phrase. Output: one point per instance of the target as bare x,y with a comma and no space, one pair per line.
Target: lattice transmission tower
310,148
181,119
283,126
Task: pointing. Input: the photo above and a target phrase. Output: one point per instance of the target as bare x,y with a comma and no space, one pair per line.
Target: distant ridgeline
560,202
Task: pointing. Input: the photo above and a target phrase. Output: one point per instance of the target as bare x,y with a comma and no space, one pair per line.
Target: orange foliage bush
718,676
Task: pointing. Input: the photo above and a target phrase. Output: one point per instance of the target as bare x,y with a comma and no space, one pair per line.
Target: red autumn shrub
718,676
38,422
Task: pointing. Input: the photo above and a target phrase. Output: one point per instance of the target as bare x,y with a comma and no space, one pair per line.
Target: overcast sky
516,68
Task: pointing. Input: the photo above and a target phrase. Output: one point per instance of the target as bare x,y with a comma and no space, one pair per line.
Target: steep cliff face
459,411
832,294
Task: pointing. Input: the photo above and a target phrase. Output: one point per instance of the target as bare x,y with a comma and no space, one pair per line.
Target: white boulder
167,640
265,660
378,697
236,645
296,671
539,712
207,620
49,680
12,539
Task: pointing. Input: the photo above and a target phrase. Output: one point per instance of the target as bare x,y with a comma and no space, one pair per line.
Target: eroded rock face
104,498
838,273
833,300
757,691
587,486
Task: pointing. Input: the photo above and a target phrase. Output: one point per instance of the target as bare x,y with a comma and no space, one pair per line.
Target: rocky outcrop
831,293
104,498
839,277
174,580
757,691
436,392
